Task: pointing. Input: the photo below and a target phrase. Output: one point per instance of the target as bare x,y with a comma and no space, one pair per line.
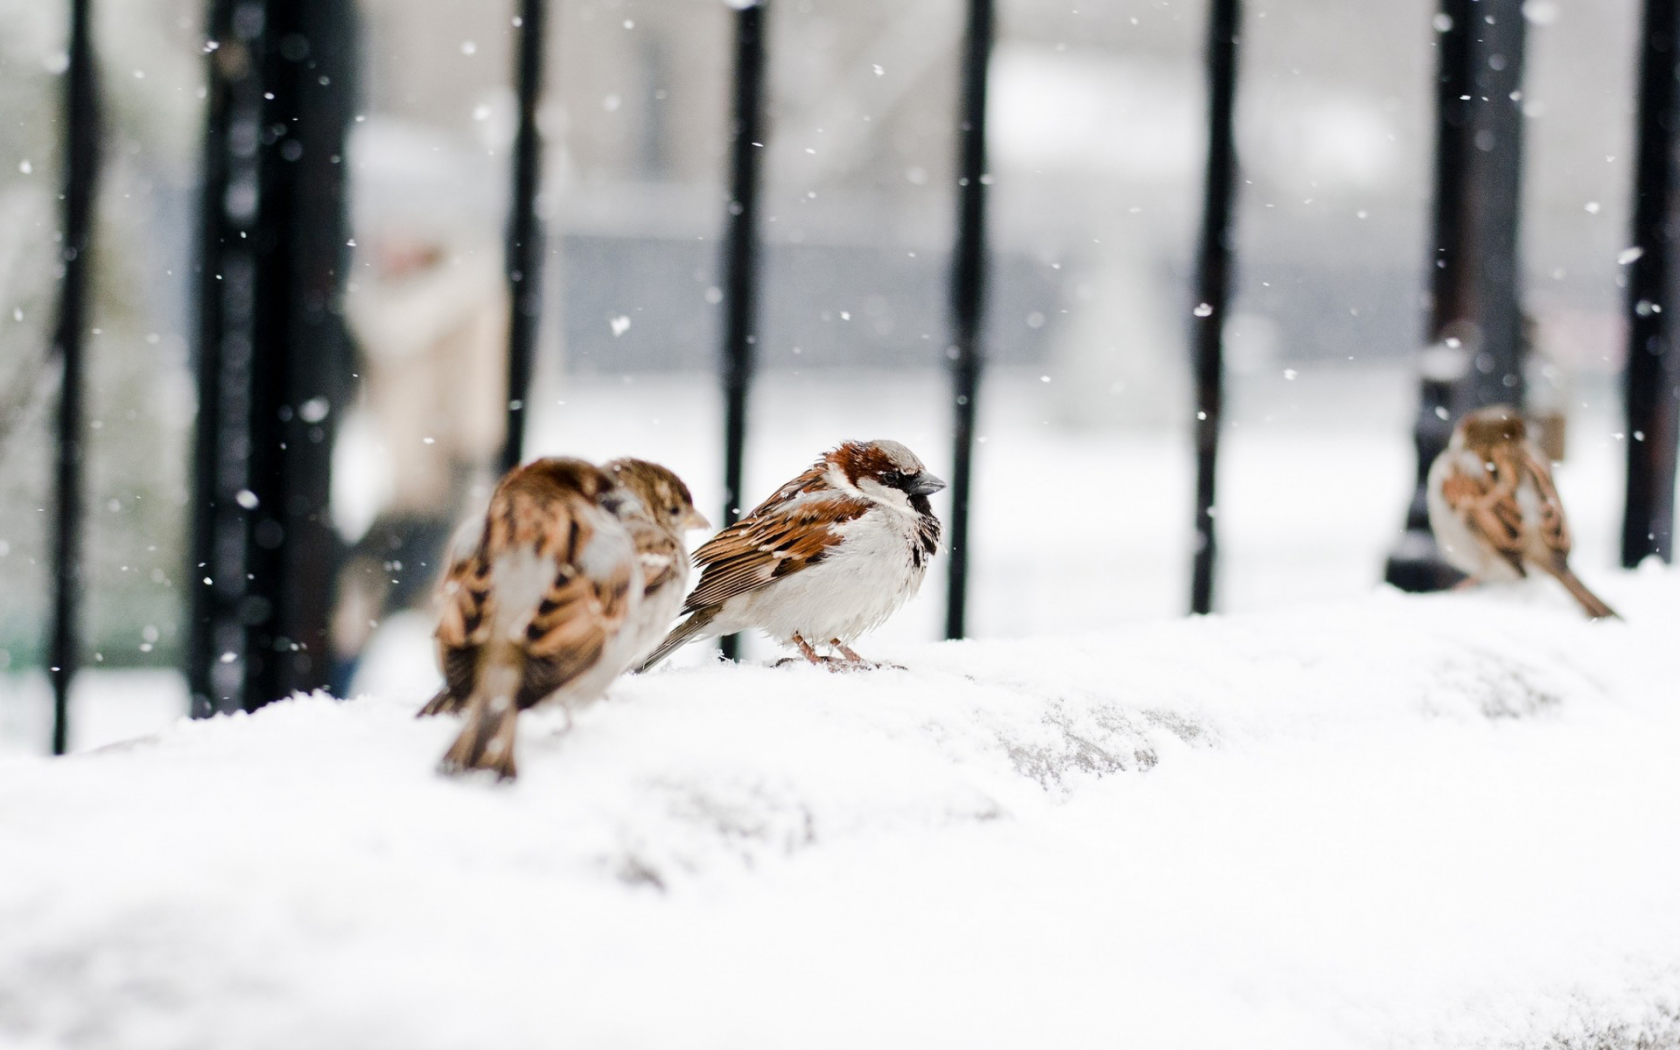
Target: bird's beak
695,520
924,484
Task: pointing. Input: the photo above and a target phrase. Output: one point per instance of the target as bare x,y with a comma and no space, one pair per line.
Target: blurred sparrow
656,517
1493,507
831,555
535,601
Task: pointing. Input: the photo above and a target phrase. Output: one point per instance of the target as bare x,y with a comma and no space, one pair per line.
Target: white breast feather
858,584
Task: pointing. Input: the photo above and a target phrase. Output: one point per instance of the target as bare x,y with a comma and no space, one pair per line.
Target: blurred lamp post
740,258
273,354
524,233
81,169
1213,285
968,300
1474,352
1653,360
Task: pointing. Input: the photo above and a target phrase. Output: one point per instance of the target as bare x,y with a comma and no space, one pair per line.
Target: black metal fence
272,351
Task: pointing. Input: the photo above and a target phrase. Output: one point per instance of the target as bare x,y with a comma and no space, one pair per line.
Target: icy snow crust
1439,822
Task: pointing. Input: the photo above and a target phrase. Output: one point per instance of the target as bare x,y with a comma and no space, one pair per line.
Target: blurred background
1083,504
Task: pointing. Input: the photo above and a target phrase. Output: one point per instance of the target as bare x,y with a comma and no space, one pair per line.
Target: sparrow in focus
534,605
832,554
1494,510
656,514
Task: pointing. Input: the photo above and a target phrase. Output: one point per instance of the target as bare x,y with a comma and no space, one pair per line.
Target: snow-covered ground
1391,821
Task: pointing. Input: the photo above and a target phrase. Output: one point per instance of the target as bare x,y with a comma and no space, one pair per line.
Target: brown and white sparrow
659,511
1493,507
534,606
831,555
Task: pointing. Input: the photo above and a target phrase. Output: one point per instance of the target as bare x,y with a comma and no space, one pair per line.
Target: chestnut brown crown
887,463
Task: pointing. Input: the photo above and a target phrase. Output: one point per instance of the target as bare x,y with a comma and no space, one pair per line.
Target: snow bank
1450,821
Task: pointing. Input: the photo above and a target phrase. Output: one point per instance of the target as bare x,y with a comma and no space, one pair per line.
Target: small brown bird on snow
660,511
535,603
831,555
1493,507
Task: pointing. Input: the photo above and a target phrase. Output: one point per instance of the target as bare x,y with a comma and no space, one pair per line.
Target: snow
1389,821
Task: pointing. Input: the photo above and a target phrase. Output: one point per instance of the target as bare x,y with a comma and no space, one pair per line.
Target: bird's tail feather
695,627
486,740
444,703
1592,603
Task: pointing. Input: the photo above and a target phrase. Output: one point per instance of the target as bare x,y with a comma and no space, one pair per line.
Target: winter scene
801,523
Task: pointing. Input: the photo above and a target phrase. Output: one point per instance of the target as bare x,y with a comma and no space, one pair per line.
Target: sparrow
830,555
1494,509
535,602
658,510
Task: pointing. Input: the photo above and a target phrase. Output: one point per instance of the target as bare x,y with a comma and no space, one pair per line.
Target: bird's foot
853,662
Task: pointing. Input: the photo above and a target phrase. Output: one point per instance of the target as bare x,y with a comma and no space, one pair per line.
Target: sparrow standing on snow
656,517
1493,507
535,603
831,555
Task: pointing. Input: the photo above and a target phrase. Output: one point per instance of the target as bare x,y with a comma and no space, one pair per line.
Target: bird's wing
1551,528
780,538
812,481
596,580
1486,501
463,597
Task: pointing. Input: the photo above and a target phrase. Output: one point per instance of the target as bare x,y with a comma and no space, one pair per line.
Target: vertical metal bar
1475,326
215,440
1653,362
740,259
525,235
274,356
1213,285
293,544
968,288
81,167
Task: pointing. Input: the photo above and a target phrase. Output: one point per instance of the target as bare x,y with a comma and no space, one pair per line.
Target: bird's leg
809,653
846,651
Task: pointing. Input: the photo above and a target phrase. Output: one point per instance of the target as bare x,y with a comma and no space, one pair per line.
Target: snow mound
1447,821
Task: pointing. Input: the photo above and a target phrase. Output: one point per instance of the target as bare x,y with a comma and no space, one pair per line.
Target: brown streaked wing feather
579,613
462,598
464,595
1488,505
1553,527
810,481
756,550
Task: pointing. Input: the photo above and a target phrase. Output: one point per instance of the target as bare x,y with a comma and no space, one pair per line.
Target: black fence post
1213,286
968,290
232,90
273,350
525,235
740,258
1653,363
1475,329
81,169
